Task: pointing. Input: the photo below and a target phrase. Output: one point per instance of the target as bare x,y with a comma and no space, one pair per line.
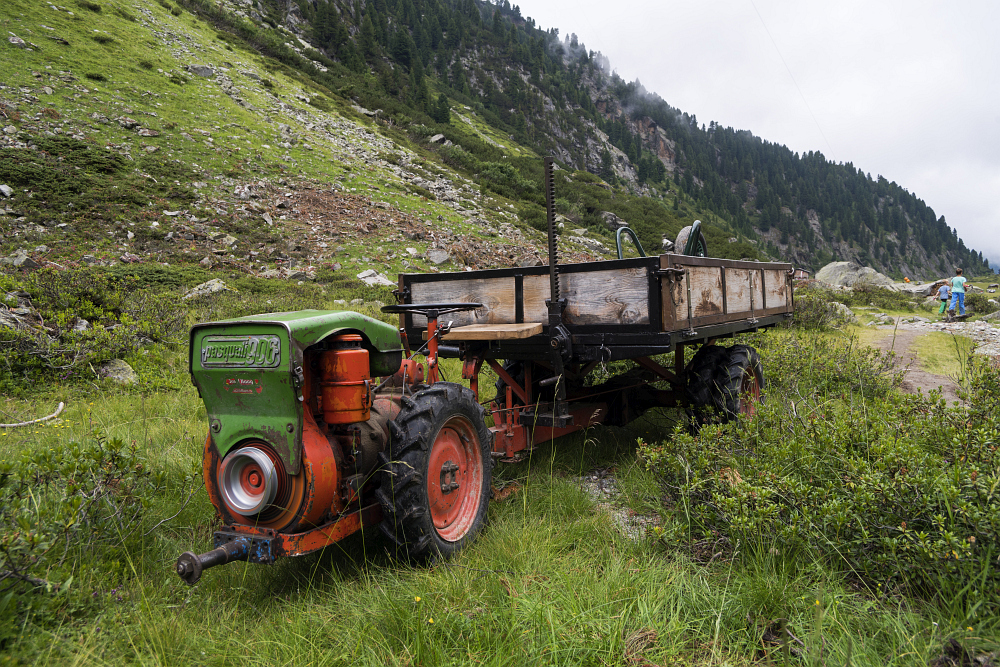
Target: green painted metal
693,245
635,240
249,372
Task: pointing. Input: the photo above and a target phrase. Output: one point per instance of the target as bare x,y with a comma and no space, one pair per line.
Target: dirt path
916,377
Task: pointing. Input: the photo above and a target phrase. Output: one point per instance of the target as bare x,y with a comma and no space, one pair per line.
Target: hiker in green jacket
958,293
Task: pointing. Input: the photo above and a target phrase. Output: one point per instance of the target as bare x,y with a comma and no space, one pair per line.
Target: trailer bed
625,308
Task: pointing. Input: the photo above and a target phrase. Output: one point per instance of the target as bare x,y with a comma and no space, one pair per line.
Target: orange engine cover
299,502
345,382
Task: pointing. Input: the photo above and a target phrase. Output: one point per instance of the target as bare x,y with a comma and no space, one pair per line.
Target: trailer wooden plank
496,294
775,288
737,291
617,296
493,331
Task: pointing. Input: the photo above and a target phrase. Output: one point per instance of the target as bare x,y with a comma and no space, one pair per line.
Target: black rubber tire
705,380
742,359
403,490
682,239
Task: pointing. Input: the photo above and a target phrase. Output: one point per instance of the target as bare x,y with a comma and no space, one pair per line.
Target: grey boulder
213,286
848,274
118,371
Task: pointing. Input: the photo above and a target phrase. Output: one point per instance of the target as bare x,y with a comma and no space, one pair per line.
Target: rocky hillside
330,138
135,133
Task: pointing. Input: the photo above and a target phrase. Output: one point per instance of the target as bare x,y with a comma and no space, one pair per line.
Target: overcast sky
909,90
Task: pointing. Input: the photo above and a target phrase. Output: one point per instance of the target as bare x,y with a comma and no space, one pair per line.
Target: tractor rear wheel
435,480
744,382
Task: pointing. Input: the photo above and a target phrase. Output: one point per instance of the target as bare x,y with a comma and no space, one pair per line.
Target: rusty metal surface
298,544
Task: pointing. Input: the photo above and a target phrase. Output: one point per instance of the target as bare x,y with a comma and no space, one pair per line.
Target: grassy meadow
552,579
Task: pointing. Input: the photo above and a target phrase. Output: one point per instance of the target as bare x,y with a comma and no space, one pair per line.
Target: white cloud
902,89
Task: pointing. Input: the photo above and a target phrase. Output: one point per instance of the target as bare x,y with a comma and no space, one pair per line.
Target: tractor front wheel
435,481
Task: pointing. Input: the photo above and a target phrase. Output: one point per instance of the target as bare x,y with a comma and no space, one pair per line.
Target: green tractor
304,448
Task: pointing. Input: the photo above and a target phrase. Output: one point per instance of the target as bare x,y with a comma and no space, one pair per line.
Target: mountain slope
232,133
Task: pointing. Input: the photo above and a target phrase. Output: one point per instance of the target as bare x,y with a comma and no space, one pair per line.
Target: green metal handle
693,239
635,240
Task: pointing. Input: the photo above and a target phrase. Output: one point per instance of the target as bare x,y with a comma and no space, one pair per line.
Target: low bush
812,309
895,490
873,295
56,504
979,303
49,341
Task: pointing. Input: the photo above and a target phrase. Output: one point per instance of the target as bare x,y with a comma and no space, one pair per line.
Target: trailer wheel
706,377
435,482
744,382
700,246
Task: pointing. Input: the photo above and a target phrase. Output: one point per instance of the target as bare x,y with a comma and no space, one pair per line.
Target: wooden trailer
606,311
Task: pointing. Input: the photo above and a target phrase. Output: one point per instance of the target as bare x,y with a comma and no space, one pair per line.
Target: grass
550,581
127,72
943,353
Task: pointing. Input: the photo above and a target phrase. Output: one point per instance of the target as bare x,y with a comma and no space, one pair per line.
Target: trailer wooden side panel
699,291
497,294
640,295
618,296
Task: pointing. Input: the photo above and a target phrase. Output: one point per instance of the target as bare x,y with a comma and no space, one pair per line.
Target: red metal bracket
470,372
505,376
297,544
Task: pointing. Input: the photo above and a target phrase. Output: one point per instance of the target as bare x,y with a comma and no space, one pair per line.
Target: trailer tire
435,482
744,382
705,382
700,248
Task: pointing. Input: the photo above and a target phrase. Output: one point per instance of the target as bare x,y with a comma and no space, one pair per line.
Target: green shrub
896,490
79,496
979,303
812,309
873,295
103,39
92,6
123,315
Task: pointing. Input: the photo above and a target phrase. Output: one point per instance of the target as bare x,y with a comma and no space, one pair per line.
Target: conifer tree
441,113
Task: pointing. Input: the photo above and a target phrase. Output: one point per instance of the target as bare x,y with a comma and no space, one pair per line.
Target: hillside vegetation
201,110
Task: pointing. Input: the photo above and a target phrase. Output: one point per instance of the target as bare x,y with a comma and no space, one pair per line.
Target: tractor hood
249,372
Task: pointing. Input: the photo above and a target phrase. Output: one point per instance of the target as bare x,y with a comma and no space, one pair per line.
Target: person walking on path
958,292
944,294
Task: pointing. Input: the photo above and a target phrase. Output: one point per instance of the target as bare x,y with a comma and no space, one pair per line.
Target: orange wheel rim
455,479
749,393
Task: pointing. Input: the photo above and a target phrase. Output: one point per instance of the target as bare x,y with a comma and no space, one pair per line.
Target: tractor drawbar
190,565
